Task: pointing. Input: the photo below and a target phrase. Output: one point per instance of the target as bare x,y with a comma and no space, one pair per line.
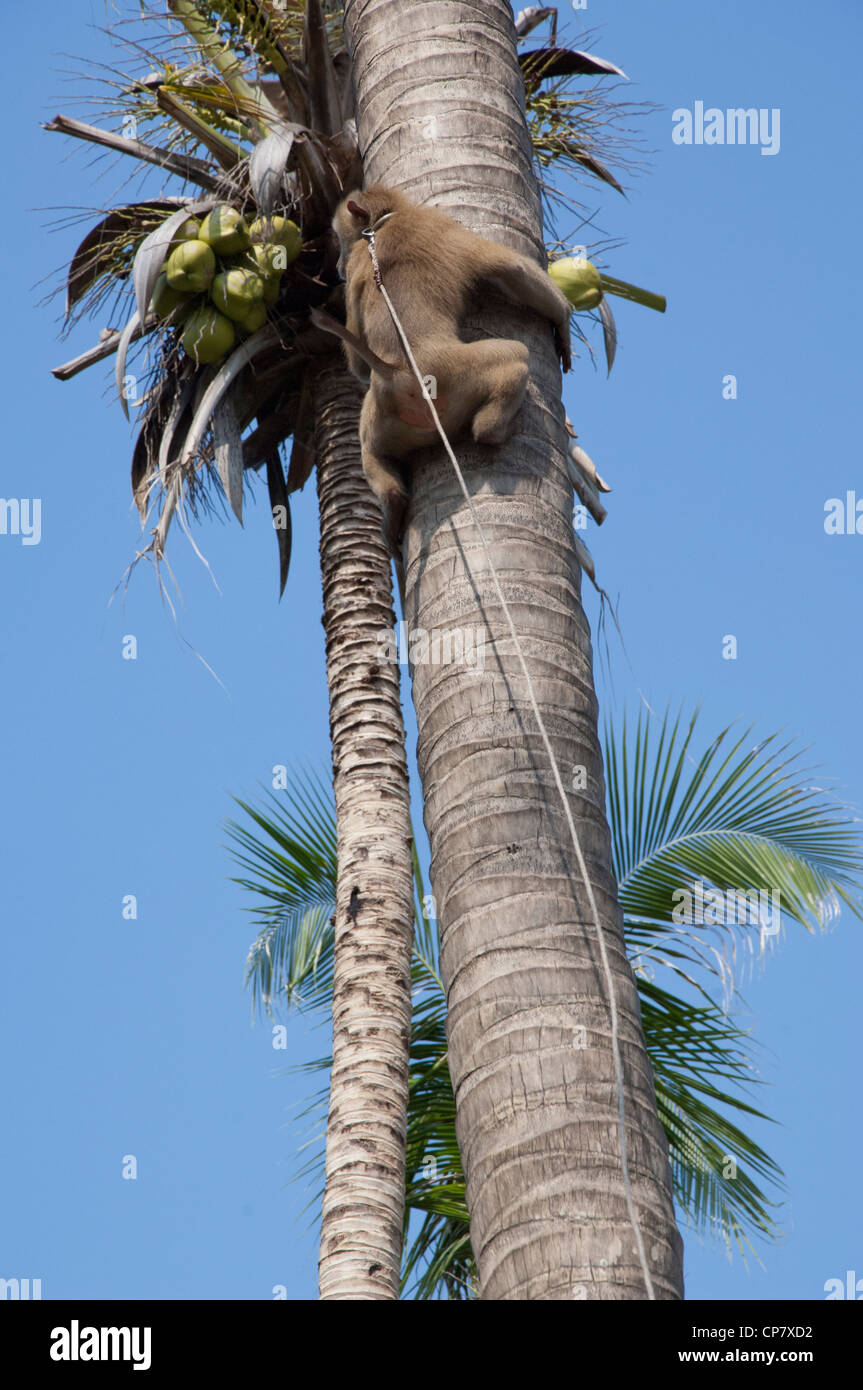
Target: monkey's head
361,210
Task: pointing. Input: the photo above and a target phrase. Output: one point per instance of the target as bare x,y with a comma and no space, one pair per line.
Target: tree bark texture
363,1207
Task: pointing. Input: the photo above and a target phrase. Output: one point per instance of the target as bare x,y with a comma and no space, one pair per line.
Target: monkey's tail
321,319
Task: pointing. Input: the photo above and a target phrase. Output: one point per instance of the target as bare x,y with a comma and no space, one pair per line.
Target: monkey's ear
360,213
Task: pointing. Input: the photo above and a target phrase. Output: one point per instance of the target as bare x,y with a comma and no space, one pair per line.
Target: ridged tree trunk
441,115
361,1231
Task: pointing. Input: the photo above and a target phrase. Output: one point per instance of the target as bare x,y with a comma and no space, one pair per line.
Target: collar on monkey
369,234
378,222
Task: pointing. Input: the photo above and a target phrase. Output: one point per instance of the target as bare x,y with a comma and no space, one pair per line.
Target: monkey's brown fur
430,266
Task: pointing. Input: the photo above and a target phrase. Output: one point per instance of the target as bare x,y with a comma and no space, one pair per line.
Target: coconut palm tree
566,1162
731,815
254,113
253,109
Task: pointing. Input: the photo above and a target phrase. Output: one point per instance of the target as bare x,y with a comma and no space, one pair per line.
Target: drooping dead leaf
98,250
280,508
303,447
609,330
268,164
226,375
541,64
151,254
228,453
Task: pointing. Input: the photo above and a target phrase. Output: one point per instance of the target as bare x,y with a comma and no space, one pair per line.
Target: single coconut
225,230
579,279
271,289
194,302
191,266
269,260
282,232
209,335
165,299
255,318
235,291
190,231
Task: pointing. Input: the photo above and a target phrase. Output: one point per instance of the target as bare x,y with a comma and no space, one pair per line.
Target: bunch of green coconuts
220,276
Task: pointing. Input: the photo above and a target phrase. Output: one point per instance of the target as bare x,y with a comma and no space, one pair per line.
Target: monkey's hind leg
385,480
499,370
383,475
522,282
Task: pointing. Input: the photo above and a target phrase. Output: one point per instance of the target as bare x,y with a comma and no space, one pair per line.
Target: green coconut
165,299
225,230
255,318
280,231
191,266
194,302
235,291
579,279
269,260
271,289
208,335
189,231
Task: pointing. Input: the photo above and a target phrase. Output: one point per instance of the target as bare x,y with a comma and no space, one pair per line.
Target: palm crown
249,104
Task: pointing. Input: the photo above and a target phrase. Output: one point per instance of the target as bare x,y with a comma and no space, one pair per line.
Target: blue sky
134,1037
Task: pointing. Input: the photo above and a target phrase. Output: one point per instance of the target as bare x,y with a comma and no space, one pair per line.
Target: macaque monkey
430,266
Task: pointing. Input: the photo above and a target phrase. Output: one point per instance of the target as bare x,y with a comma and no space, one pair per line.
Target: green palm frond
737,820
440,1260
291,872
715,1166
293,957
737,815
425,932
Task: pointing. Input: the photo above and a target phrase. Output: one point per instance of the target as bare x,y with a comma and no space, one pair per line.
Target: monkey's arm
321,319
522,282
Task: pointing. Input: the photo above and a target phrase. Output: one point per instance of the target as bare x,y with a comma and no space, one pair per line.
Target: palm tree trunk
529,1009
363,1208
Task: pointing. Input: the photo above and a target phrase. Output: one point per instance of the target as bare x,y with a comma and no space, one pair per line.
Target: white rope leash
609,979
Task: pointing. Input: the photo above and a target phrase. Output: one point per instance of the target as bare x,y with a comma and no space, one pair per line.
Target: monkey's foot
490,427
